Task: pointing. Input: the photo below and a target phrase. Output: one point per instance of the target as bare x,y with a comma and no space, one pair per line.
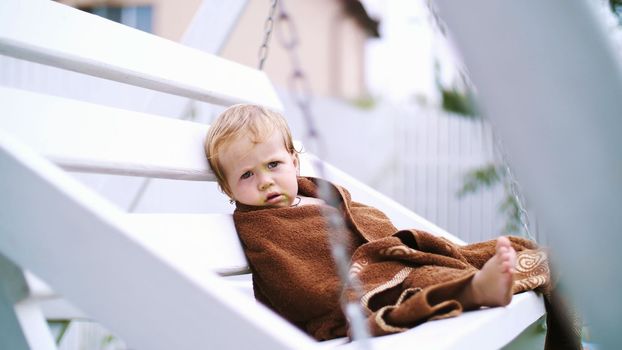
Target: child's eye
246,175
272,165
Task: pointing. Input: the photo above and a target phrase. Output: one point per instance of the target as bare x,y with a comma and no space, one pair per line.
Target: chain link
286,31
515,190
267,30
298,85
520,200
436,19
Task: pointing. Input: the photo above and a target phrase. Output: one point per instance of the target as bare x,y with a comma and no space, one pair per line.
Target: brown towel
407,277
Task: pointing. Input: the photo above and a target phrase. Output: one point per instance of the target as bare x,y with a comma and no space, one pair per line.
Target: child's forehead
245,144
252,138
241,142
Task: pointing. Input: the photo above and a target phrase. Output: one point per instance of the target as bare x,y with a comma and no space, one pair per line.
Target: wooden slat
87,137
208,31
50,33
23,324
79,244
200,242
212,24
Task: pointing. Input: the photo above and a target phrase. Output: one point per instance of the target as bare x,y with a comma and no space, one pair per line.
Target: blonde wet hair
243,120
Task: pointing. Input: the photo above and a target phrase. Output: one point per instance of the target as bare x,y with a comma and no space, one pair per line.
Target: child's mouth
273,197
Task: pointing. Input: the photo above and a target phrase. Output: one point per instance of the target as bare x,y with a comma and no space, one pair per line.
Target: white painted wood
551,82
37,289
56,308
208,31
49,302
13,288
81,136
212,24
30,30
23,323
242,283
11,333
34,325
61,309
192,242
47,214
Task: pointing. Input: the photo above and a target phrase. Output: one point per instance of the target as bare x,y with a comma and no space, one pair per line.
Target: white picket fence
435,150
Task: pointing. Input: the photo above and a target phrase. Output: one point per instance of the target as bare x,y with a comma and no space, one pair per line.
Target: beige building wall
330,45
170,17
330,48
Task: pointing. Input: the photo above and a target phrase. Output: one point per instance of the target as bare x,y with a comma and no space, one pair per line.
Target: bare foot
492,285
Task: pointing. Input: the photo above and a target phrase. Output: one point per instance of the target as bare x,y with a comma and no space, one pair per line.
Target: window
616,8
139,17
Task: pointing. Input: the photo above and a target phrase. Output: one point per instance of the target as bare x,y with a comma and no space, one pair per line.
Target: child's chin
278,205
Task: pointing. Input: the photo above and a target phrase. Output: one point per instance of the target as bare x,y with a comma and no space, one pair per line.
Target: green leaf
460,103
487,177
484,177
59,327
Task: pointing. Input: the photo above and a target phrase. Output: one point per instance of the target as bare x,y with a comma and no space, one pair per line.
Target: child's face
262,174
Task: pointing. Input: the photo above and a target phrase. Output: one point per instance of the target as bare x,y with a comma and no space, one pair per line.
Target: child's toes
503,242
506,256
502,251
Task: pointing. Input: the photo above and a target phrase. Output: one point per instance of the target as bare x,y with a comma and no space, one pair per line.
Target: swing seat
158,281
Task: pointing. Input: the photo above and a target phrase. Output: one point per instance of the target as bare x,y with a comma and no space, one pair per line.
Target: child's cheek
247,189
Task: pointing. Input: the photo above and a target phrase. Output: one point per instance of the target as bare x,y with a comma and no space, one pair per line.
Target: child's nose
265,181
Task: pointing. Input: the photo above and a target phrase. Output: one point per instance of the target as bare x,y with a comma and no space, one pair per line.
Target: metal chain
436,19
300,91
267,29
515,190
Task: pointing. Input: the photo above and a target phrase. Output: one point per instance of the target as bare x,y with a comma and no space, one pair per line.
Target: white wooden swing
170,266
